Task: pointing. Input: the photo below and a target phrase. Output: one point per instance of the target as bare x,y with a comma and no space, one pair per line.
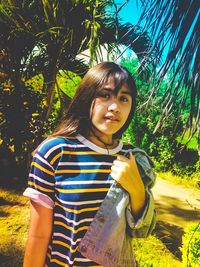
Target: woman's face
109,110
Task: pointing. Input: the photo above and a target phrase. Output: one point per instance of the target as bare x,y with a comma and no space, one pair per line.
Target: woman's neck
102,141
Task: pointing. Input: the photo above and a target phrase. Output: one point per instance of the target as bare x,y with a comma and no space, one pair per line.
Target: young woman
73,170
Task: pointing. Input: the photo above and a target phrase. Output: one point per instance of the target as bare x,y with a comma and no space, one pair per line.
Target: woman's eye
105,95
124,99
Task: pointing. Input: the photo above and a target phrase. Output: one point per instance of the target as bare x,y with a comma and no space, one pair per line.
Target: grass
14,214
192,183
151,252
14,211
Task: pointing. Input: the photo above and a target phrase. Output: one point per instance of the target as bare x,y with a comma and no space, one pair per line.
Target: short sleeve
41,182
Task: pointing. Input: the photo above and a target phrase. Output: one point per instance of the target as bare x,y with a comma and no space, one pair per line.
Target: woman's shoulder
135,150
141,154
127,146
54,143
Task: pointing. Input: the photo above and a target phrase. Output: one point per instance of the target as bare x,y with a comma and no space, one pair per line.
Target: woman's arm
39,235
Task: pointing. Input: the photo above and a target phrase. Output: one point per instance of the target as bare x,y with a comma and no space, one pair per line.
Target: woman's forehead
113,84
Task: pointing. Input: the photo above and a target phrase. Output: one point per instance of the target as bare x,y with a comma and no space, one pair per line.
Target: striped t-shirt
70,175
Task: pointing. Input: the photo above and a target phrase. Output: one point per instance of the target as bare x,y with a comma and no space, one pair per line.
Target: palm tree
174,28
45,37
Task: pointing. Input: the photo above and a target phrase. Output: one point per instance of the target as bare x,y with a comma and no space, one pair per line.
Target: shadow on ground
4,214
5,202
177,211
171,236
173,215
13,257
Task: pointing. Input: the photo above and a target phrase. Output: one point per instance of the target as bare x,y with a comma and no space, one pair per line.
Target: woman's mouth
111,119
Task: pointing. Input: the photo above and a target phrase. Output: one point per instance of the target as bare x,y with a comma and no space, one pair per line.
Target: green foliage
163,153
191,246
36,82
175,33
131,65
186,163
163,148
144,250
192,144
68,82
163,144
19,114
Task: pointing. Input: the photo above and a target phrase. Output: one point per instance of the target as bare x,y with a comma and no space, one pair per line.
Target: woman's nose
113,106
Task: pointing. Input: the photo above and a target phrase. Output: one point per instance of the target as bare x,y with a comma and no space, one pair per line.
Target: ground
176,207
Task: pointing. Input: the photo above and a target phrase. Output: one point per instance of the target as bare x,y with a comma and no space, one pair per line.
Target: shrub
191,246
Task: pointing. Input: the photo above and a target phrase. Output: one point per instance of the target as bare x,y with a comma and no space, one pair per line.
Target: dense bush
23,125
165,151
191,246
20,114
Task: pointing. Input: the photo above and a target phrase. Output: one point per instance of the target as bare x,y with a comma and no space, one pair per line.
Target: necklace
105,144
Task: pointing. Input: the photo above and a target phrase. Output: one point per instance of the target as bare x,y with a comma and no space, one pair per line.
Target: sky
130,12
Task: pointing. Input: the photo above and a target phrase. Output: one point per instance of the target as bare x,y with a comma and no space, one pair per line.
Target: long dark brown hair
78,118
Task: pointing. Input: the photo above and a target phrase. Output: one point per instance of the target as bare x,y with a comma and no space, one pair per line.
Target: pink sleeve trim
39,198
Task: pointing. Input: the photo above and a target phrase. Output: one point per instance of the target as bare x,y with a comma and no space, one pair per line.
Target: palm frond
174,28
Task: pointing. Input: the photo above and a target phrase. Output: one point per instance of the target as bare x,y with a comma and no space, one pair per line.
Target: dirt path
176,207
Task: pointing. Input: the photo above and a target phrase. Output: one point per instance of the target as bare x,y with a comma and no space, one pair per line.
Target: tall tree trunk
49,87
16,117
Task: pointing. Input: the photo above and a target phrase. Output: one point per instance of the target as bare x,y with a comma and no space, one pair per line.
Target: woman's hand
125,172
